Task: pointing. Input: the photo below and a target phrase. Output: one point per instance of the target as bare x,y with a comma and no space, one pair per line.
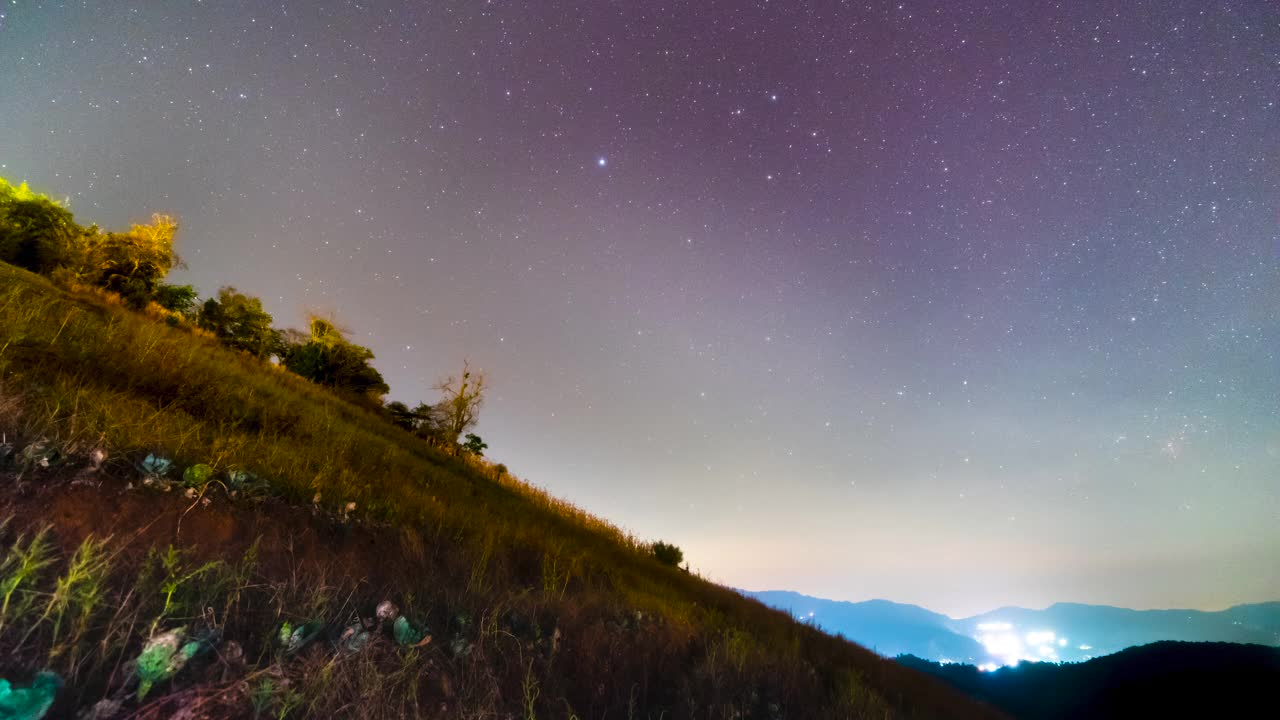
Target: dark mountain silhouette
1081,632
1160,680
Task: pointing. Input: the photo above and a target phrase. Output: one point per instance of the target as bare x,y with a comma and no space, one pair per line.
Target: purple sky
941,302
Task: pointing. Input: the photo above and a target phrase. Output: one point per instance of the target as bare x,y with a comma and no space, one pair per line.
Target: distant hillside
1079,632
889,628
189,531
1161,680
1095,630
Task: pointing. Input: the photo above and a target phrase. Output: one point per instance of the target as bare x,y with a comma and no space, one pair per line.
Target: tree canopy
36,233
239,321
328,358
41,235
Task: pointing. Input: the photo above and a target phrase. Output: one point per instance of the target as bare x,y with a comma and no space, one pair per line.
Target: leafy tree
402,416
36,233
176,298
239,321
459,411
475,445
668,554
423,420
132,263
328,358
41,235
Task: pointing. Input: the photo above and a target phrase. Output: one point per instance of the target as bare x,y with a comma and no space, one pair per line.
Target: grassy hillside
316,510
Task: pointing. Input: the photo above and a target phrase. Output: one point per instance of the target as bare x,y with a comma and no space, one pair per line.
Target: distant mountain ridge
1068,632
886,627
1105,629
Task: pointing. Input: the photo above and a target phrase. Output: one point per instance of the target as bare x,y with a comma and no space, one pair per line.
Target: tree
41,235
176,298
131,263
475,445
402,416
36,233
428,423
328,358
459,411
668,554
239,321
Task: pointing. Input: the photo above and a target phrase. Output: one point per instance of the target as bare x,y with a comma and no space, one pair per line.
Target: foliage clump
41,235
475,445
668,554
239,321
329,358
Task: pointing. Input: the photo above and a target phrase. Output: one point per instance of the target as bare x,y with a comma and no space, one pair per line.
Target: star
1060,264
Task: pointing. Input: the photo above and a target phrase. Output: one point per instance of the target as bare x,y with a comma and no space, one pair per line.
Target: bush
668,554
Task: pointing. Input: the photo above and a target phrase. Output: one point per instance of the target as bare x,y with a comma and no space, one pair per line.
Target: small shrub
668,554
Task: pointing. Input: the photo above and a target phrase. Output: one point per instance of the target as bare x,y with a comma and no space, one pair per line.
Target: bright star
602,161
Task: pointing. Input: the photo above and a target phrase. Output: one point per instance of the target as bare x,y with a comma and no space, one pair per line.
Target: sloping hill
249,589
1165,680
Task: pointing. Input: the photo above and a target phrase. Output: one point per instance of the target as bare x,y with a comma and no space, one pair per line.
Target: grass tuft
20,569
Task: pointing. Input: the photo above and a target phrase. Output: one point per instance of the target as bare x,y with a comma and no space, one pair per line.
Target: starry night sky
950,304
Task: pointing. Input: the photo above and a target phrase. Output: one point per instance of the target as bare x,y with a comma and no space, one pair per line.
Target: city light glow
1002,640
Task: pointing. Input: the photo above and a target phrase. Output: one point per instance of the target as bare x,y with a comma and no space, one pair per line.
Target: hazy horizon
994,608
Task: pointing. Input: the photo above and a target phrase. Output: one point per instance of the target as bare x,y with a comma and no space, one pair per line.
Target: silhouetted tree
668,554
428,423
402,416
239,321
475,445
